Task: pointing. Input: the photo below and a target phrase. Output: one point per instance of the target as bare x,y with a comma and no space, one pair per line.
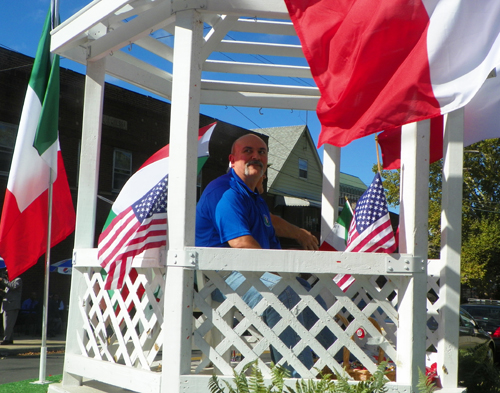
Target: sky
21,29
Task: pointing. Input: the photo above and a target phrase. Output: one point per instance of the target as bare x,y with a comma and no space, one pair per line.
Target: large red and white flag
138,218
371,229
36,161
481,121
382,64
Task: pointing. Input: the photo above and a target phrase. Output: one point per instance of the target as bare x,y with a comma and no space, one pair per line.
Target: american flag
138,218
139,227
370,229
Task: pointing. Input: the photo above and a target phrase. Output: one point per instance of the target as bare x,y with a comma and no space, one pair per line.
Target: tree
480,212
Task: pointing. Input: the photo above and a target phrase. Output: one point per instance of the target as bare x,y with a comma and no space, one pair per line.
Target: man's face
249,157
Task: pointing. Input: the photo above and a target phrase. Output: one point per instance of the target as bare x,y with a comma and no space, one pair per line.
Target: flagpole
43,349
378,155
54,8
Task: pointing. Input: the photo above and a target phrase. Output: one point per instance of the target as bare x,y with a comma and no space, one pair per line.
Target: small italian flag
36,162
337,240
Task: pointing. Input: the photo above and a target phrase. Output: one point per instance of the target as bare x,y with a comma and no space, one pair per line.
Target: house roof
352,181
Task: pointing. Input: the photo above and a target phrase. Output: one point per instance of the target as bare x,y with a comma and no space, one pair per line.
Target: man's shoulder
216,188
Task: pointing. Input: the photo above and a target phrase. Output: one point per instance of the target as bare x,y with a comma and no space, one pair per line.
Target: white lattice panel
368,297
433,305
123,326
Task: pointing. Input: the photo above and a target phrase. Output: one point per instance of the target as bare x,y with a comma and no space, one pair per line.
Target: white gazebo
145,344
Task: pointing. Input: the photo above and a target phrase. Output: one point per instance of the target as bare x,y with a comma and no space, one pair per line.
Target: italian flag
130,230
337,238
381,64
36,162
337,241
152,171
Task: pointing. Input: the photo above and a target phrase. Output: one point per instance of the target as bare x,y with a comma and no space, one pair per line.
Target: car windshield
490,312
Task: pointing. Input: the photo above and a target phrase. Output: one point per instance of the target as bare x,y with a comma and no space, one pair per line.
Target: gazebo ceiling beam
311,91
258,100
234,67
260,48
64,35
251,8
127,33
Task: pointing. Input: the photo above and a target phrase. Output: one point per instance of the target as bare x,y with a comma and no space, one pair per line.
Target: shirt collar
242,184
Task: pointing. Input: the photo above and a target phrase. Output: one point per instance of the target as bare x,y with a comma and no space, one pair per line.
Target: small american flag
370,229
139,227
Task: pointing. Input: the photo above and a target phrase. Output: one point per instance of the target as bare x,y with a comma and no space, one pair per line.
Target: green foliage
255,383
480,213
425,385
476,372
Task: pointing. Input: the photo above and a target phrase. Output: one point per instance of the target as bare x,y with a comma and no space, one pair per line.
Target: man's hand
285,229
307,240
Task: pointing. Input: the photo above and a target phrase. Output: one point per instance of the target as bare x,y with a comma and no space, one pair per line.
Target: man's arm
246,241
285,229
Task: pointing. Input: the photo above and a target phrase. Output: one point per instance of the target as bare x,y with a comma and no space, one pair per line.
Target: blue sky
20,31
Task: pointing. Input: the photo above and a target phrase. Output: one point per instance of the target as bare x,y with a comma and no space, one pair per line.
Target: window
302,168
122,168
7,142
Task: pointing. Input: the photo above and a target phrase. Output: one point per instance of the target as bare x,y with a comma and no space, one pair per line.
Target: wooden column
184,126
331,192
451,245
413,240
87,197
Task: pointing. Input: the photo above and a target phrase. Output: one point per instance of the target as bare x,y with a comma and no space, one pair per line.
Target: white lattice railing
125,327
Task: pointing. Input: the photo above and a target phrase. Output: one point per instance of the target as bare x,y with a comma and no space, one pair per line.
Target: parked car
487,315
471,334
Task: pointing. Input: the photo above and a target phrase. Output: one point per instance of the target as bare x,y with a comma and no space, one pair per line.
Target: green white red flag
36,162
138,217
381,64
336,240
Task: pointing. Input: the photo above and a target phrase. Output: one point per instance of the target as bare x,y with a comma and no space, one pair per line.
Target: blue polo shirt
228,209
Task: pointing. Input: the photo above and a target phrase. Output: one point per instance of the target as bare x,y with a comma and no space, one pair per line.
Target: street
22,367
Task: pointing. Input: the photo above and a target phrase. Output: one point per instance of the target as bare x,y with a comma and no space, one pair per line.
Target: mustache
254,162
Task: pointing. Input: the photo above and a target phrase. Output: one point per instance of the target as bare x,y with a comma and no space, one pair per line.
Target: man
225,199
11,305
231,213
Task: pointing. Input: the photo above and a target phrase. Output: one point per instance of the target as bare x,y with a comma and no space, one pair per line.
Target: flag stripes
379,238
371,229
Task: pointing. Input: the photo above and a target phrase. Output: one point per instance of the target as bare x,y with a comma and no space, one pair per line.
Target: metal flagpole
54,8
43,349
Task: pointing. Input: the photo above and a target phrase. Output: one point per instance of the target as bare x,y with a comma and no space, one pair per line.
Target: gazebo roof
251,55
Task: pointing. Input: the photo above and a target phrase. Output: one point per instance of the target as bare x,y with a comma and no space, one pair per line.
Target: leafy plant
255,383
476,372
425,384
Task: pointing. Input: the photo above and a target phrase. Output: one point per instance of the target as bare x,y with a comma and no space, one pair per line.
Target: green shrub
255,382
476,372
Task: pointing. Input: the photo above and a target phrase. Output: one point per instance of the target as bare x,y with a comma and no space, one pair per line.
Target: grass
28,387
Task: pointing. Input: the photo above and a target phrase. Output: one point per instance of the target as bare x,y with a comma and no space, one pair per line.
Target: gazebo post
413,240
331,192
184,123
87,198
451,245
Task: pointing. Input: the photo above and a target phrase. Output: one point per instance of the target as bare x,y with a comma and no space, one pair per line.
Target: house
295,176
